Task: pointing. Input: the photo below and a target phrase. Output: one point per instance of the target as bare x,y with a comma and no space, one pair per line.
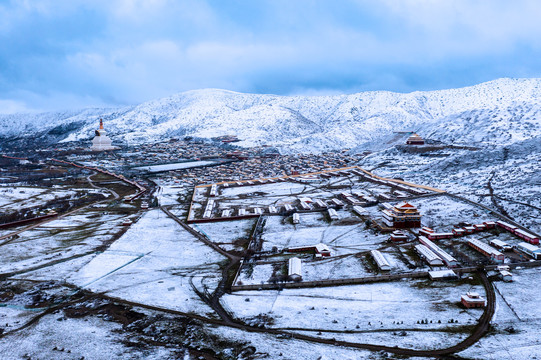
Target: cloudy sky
61,54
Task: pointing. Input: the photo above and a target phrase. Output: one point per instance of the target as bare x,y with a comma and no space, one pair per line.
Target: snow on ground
334,268
378,306
153,263
522,294
516,322
60,271
168,195
473,116
288,192
89,337
313,229
72,221
394,258
10,194
511,170
10,230
525,214
275,189
522,345
225,233
14,316
20,197
291,349
410,339
49,242
106,264
442,212
311,269
282,193
255,274
180,211
277,194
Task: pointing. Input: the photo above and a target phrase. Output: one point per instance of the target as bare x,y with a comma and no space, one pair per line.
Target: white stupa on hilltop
101,141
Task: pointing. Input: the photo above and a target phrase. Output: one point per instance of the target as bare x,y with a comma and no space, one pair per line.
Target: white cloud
31,102
479,26
127,51
12,107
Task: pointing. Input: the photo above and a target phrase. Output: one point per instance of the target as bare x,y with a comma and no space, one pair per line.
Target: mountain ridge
506,109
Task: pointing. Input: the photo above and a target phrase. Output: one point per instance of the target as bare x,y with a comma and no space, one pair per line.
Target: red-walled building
403,215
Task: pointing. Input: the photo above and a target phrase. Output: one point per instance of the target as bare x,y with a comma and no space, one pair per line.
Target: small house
473,300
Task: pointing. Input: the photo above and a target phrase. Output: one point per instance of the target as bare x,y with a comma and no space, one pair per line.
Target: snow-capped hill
498,125
30,124
499,111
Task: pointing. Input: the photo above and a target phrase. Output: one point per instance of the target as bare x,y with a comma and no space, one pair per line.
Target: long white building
380,260
487,250
442,254
429,256
294,270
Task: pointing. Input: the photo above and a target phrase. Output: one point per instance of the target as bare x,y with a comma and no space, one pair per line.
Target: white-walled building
101,141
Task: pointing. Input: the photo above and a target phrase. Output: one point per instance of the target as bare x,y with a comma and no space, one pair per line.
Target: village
310,247
301,208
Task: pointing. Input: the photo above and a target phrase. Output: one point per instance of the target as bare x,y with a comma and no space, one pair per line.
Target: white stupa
101,141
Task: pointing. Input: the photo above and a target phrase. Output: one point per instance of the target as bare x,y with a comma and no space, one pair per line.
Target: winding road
479,331
226,319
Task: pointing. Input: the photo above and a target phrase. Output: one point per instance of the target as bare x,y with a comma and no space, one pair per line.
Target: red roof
405,205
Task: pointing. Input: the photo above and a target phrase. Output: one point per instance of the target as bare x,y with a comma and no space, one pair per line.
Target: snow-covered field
290,349
20,197
313,229
155,262
8,195
59,240
522,294
333,268
516,322
228,234
169,195
71,338
359,309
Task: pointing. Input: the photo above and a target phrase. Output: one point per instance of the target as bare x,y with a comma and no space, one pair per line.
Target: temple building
415,140
473,300
403,215
101,141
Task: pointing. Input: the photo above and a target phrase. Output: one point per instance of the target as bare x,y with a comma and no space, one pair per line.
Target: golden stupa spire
101,124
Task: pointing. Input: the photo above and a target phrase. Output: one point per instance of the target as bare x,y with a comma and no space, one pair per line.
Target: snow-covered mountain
498,112
499,121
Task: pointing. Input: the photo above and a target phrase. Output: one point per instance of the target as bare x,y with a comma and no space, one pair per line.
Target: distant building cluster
205,207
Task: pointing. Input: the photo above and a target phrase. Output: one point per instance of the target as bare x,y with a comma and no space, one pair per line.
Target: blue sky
62,54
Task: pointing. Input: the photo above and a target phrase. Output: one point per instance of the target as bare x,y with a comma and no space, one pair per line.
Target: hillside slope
498,112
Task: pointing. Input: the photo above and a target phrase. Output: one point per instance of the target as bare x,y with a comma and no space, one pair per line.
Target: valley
242,226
